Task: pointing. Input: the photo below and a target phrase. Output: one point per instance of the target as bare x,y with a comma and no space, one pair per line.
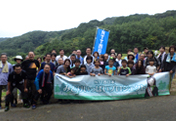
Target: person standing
96,56
53,59
72,60
162,54
124,70
131,57
48,58
30,66
89,64
151,69
59,63
18,59
119,59
14,81
61,52
77,67
116,64
132,67
106,59
78,56
150,55
128,51
96,70
110,69
54,51
112,51
169,62
5,69
39,60
140,69
136,54
145,51
88,52
142,58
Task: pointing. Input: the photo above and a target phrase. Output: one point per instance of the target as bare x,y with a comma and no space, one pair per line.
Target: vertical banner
101,41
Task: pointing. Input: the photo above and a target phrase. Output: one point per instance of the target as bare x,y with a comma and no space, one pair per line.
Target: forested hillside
2,39
125,32
132,31
29,41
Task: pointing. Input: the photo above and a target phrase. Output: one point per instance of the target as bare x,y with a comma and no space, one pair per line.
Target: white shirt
119,61
64,57
150,69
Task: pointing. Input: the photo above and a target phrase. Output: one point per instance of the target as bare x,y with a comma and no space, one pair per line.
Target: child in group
77,63
71,74
151,69
131,66
96,70
102,63
110,69
124,70
89,64
83,70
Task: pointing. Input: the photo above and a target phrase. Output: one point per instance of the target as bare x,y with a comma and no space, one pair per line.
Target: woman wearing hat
131,57
18,59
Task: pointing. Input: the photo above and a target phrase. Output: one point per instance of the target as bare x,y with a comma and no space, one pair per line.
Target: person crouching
14,80
43,83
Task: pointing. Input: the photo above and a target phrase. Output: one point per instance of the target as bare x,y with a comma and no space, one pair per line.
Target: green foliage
2,39
29,41
126,33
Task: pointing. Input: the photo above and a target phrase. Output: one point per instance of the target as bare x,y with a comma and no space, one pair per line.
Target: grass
124,55
3,94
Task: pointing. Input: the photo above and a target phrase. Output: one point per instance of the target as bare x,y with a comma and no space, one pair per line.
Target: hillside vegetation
132,31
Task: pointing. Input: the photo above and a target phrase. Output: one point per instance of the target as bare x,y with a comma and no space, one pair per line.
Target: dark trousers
9,97
1,87
46,94
31,89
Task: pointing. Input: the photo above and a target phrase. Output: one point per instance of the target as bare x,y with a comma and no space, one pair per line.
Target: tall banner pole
94,40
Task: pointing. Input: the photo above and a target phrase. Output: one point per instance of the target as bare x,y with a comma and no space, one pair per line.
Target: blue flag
101,41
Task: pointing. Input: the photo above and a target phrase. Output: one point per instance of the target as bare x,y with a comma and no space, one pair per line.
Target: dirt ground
150,109
172,91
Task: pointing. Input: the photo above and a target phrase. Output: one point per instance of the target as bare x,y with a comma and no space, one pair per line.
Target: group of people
35,77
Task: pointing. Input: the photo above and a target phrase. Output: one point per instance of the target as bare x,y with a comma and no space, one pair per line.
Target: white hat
18,57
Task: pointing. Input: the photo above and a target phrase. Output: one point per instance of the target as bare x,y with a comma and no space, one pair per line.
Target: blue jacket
39,79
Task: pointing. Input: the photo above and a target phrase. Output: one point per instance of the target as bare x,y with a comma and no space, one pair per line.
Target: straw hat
131,54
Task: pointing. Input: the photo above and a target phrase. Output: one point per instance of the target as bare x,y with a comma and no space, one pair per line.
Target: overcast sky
20,16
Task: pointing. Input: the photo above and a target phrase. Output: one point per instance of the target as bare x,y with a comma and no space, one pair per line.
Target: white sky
20,16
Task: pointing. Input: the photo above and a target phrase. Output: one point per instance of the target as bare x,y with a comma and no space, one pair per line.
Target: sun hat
18,57
131,54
